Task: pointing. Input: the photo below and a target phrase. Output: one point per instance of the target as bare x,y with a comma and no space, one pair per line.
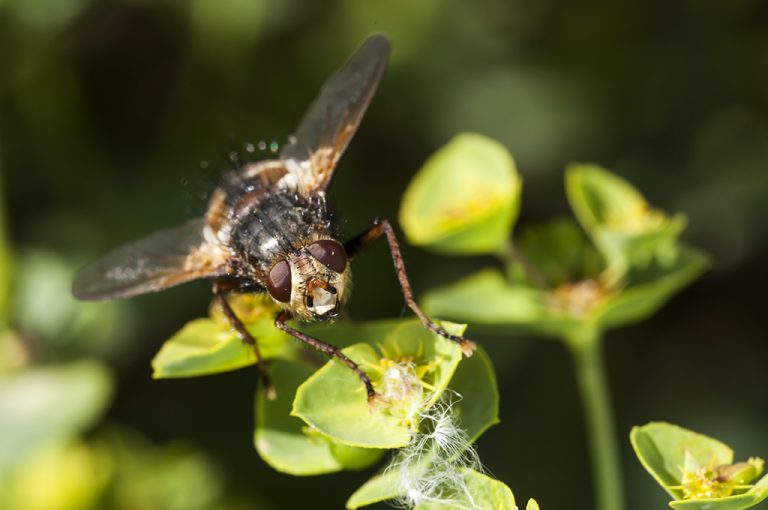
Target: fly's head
313,282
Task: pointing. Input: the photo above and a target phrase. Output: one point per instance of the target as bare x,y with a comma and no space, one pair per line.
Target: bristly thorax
281,223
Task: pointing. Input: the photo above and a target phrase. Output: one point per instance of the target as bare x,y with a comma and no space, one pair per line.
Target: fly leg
220,292
327,349
378,228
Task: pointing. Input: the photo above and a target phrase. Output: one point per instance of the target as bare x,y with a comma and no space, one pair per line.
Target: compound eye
330,253
279,281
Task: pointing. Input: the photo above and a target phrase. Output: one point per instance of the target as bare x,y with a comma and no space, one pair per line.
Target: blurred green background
116,118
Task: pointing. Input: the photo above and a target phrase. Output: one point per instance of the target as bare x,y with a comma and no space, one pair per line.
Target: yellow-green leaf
650,289
209,346
486,297
623,225
286,444
334,400
485,492
465,198
201,347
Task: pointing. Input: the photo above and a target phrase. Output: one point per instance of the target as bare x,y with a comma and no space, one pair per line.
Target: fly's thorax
312,282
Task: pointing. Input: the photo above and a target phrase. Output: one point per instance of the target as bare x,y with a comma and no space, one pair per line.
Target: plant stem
511,255
586,347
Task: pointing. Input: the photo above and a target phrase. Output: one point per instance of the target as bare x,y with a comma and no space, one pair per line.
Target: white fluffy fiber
428,469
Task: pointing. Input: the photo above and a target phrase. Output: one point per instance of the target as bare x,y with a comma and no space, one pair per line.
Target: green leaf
487,298
465,198
486,493
285,443
346,333
354,458
334,401
381,487
601,198
475,381
201,347
649,290
42,406
209,346
665,450
620,221
532,505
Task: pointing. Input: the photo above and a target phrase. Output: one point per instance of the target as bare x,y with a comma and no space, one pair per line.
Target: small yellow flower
712,482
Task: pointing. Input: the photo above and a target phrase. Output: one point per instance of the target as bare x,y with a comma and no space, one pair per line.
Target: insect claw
376,401
467,347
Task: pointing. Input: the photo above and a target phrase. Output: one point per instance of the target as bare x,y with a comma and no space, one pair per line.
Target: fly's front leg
383,227
327,349
220,292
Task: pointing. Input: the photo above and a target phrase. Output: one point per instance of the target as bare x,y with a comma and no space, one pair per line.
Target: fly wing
332,119
161,260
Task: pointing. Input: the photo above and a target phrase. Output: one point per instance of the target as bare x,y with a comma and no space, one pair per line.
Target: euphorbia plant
551,280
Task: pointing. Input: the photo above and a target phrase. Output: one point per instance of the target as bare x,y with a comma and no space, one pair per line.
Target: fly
267,228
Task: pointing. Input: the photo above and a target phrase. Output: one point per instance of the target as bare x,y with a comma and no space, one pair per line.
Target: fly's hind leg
380,227
220,291
327,349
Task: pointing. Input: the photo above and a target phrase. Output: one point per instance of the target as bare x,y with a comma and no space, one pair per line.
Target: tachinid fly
267,227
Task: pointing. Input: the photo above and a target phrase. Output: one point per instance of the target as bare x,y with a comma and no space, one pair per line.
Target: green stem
510,254
586,347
